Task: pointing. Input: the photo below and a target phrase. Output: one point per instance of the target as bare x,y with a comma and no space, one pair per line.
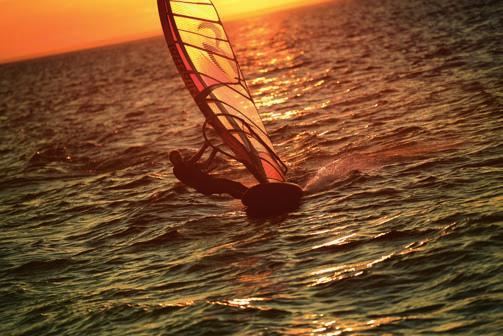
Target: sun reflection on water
322,325
352,270
345,271
245,303
279,77
338,241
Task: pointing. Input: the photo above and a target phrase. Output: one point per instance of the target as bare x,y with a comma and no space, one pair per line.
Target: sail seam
247,118
256,137
195,18
202,35
192,2
210,52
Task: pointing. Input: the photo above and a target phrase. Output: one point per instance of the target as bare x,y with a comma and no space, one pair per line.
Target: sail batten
207,63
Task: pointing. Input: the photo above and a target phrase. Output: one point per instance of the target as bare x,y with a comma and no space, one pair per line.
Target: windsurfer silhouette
194,175
227,104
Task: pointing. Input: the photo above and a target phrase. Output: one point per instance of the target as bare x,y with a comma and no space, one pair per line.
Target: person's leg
233,188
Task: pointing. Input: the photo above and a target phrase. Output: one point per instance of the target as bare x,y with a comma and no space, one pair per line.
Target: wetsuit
191,175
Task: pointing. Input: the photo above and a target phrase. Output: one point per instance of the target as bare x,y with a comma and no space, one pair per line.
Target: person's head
175,157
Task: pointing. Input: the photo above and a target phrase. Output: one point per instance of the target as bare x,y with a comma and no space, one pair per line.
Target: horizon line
144,36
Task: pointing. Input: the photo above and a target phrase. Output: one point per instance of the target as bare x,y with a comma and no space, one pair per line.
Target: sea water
388,112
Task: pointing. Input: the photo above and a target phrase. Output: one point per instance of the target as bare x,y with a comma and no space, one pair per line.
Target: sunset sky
30,28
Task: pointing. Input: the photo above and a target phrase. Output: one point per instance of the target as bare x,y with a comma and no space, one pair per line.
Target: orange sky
31,28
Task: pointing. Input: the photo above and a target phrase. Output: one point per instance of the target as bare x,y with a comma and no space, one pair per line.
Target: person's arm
205,166
199,154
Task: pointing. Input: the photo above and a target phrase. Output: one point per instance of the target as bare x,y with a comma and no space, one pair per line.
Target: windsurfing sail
207,63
